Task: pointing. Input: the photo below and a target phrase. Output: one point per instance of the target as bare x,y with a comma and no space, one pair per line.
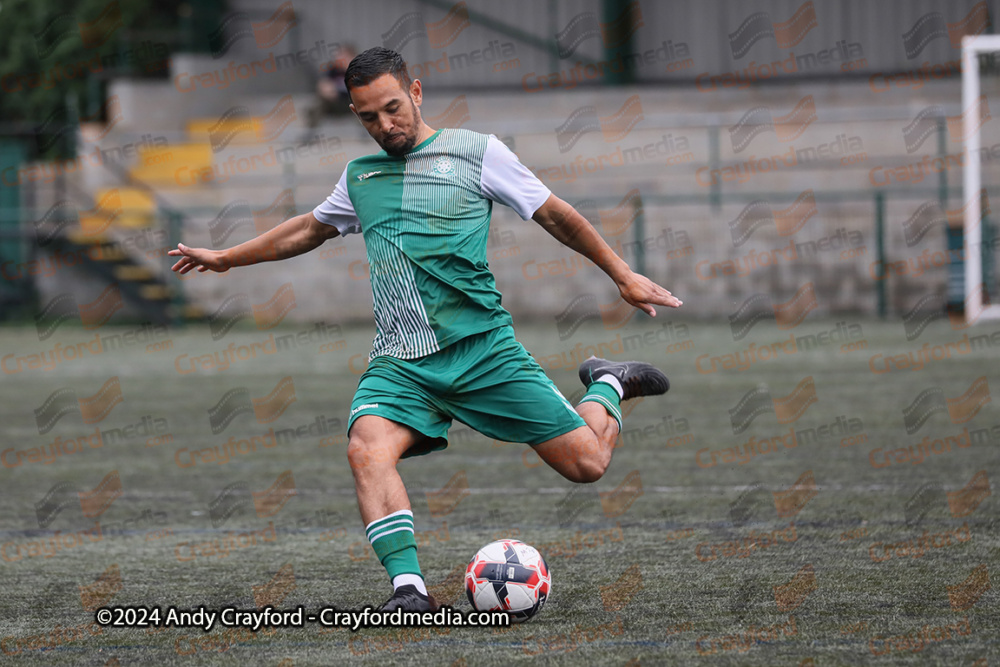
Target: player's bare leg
583,454
375,447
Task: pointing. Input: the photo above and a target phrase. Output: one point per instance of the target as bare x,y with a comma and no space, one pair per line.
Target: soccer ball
510,576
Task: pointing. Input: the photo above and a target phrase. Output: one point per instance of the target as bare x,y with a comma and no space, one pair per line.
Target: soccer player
444,348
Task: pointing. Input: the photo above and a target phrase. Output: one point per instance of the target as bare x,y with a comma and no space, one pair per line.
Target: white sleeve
506,180
338,210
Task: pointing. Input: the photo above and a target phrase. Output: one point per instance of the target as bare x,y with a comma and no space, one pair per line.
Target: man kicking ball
444,348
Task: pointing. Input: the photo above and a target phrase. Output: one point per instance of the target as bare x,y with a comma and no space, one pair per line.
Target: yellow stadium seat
160,165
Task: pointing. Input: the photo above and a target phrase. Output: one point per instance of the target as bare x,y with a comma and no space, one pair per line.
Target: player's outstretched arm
571,229
292,237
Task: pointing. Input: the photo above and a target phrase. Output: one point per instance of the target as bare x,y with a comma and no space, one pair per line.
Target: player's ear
416,92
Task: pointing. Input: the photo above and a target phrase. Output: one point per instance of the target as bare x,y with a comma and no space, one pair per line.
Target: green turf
671,605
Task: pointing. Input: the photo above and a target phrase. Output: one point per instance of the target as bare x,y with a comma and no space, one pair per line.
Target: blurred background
724,148
792,170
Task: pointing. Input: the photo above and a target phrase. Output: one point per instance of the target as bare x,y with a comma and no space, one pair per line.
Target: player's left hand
643,293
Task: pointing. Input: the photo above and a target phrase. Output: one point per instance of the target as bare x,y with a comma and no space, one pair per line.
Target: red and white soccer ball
510,576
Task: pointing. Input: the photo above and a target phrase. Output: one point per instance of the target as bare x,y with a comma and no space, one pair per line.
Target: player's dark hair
373,63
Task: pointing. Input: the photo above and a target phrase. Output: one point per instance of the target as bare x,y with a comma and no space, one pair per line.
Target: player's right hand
202,259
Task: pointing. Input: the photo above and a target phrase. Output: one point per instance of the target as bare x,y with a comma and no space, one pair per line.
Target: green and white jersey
425,218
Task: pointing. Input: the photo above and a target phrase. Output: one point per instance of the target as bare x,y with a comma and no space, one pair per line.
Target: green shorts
487,381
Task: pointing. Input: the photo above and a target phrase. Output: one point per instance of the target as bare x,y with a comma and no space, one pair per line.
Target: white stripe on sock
378,535
407,512
395,523
414,579
613,381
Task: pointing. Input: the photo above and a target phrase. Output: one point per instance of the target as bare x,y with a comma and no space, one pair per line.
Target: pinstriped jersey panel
425,223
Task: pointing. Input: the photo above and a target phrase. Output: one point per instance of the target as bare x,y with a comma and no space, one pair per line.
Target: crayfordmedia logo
617,595
266,315
669,431
92,409
576,501
791,595
966,594
234,497
455,115
149,334
580,540
744,641
786,409
960,409
221,548
786,221
48,547
675,55
268,503
274,592
612,34
844,244
669,336
749,505
92,315
570,641
394,641
221,642
932,26
616,502
58,636
237,25
759,120
99,594
879,552
237,401
95,502
759,25
965,501
225,453
444,501
917,640
585,307
236,121
847,149
239,213
669,150
790,502
93,223
439,34
613,128
920,452
744,547
849,430
448,590
786,316
922,503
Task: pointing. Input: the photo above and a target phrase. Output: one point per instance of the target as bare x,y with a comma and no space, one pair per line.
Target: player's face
389,113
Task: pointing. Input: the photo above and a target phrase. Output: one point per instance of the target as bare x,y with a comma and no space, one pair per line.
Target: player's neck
426,132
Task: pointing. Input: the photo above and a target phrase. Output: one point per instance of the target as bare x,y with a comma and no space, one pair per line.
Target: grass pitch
831,544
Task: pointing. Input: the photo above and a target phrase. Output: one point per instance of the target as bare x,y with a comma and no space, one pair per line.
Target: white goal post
972,46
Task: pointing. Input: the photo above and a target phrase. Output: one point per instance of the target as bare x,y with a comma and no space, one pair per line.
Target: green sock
605,394
392,539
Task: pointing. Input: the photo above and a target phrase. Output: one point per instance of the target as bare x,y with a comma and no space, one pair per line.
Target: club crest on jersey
362,177
444,166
